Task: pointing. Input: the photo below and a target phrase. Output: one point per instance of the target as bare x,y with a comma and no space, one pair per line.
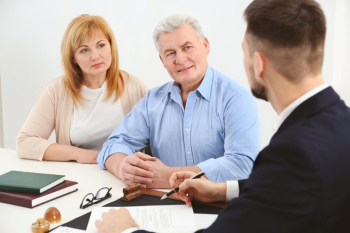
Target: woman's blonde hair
80,28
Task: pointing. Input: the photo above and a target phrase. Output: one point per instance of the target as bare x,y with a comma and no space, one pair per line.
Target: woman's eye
101,45
83,50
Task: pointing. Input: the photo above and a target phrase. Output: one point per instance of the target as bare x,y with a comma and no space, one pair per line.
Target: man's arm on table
241,142
144,169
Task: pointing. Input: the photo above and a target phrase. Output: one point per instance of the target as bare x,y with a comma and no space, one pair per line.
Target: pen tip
163,197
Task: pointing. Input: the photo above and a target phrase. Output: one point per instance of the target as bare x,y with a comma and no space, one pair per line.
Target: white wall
31,32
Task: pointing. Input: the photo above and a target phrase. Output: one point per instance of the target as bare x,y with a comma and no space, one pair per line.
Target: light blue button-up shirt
218,130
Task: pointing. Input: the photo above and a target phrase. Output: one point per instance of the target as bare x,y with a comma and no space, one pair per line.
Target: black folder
145,200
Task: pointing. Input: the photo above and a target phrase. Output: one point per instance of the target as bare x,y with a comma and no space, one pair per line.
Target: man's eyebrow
185,44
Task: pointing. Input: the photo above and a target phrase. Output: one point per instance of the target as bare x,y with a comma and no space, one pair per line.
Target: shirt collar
288,110
205,87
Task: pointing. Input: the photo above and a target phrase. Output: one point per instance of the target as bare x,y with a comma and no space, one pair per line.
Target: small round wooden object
52,215
40,226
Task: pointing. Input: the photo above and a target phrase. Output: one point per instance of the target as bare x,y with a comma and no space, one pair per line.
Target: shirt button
188,152
197,98
187,129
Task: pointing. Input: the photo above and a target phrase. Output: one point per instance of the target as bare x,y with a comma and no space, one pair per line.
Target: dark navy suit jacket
301,181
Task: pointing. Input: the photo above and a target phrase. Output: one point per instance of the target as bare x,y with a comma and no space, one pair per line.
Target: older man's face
184,56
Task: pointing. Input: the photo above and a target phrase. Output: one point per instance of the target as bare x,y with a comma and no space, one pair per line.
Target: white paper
63,229
161,218
204,221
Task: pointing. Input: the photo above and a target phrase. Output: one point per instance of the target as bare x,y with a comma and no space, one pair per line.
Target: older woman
84,105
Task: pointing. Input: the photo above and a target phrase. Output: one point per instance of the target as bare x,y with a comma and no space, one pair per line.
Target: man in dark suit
301,181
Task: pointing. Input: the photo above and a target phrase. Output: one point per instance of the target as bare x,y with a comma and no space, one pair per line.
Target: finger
137,171
98,224
136,161
178,176
131,178
191,183
112,211
145,157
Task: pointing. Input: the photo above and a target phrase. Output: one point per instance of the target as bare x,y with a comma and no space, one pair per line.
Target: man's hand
201,189
161,173
131,169
115,221
136,169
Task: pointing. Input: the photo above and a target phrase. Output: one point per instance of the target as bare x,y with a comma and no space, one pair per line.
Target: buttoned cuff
232,190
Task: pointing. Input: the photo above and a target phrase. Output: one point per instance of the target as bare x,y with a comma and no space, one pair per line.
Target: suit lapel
308,108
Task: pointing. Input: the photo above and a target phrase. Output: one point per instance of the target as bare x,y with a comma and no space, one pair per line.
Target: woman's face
94,56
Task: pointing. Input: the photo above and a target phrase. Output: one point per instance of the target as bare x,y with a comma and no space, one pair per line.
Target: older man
300,181
201,121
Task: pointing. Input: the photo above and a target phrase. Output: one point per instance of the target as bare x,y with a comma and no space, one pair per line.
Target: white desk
90,178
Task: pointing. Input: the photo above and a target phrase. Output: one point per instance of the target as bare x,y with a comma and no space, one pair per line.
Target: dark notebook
31,200
29,182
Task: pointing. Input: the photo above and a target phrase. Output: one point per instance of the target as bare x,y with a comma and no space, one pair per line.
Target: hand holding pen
196,176
202,190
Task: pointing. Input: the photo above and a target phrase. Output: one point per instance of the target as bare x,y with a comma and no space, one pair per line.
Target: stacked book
29,189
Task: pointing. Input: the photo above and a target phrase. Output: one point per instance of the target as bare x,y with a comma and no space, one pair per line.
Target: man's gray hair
174,22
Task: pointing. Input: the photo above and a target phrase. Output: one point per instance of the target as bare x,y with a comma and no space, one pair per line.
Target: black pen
177,188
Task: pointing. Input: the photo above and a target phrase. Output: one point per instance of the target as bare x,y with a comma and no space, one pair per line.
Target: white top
96,119
232,185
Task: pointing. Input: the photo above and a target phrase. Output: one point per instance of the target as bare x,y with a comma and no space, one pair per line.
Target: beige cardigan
53,111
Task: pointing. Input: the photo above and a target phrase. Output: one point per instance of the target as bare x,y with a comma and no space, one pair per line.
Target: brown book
31,200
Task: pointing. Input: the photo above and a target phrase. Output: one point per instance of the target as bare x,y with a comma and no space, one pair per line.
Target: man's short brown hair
291,33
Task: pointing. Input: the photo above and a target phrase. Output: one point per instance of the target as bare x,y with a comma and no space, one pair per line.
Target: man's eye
170,54
187,47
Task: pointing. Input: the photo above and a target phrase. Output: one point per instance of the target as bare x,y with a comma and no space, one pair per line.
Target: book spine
19,189
14,200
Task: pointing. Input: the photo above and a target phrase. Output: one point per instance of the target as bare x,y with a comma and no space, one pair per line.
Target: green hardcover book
29,182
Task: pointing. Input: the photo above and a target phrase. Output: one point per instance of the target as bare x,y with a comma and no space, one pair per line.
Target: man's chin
261,94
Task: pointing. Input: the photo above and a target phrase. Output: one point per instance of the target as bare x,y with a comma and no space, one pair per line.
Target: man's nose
180,58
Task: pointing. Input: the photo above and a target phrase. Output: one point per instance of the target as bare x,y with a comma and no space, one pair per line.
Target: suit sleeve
281,194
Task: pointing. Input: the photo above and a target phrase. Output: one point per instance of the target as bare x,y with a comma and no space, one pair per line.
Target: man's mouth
184,69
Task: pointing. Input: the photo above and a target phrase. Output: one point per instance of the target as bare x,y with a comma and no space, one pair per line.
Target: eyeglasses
90,199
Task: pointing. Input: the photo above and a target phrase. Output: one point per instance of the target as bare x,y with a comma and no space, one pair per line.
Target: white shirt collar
288,110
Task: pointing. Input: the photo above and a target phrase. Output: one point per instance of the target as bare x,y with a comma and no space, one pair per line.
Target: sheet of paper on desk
162,218
63,229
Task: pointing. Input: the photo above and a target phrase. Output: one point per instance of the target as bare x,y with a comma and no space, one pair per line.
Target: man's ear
259,65
161,59
206,45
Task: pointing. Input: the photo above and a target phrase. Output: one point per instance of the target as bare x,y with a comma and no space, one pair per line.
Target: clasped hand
141,168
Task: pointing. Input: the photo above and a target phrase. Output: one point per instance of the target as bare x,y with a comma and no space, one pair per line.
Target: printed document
161,218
